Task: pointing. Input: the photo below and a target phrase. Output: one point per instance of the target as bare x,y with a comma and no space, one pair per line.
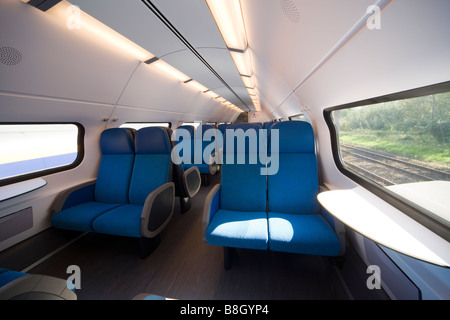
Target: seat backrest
152,164
243,187
203,142
294,188
267,125
116,164
222,128
187,130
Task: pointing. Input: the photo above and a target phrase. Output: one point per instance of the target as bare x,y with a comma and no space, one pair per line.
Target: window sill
375,219
19,188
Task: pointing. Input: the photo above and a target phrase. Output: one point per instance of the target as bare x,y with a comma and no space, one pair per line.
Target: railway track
388,170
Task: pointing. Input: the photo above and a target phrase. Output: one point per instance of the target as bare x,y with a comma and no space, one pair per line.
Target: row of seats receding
198,143
135,189
277,212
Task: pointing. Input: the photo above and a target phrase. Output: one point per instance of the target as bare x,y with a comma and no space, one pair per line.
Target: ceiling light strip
169,25
230,22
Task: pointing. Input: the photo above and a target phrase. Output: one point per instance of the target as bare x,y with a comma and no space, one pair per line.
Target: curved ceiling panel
65,72
387,60
133,20
298,37
156,27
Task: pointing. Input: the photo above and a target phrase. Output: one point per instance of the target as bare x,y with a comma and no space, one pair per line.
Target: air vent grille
10,56
290,10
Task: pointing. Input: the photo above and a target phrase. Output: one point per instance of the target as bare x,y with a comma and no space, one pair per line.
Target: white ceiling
307,54
194,21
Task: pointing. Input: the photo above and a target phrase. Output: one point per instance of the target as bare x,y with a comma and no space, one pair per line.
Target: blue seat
187,182
197,148
207,138
256,208
295,221
133,194
151,192
268,125
222,127
235,210
184,145
78,207
6,276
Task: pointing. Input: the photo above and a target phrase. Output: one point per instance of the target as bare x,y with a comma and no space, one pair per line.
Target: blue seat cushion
238,229
6,276
121,221
302,233
80,217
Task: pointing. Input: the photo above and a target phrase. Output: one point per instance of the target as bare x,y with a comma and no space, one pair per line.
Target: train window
139,125
401,145
32,150
195,124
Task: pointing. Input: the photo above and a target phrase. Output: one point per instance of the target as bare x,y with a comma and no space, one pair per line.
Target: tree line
421,115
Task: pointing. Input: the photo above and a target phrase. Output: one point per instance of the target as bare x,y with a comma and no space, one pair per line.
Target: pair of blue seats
277,212
133,194
198,143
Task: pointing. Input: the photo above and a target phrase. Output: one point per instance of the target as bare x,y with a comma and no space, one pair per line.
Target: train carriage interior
224,150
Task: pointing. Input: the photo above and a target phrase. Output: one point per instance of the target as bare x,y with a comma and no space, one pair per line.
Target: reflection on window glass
194,124
29,148
402,145
139,125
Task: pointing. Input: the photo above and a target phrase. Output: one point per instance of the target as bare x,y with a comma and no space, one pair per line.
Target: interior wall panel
406,52
56,61
153,89
378,62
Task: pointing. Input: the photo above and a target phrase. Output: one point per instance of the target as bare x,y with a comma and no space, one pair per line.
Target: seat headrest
205,127
152,140
116,141
267,125
251,136
222,127
294,137
245,126
188,128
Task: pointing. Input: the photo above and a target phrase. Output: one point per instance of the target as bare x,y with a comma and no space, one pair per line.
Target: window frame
45,172
411,209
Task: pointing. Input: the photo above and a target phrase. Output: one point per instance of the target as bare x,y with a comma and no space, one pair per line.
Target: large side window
31,150
401,146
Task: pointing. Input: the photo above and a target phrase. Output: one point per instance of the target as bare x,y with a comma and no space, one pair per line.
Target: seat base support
227,257
148,245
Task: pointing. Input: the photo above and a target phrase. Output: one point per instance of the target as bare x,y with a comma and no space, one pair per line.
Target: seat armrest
158,210
37,287
212,204
73,196
191,181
